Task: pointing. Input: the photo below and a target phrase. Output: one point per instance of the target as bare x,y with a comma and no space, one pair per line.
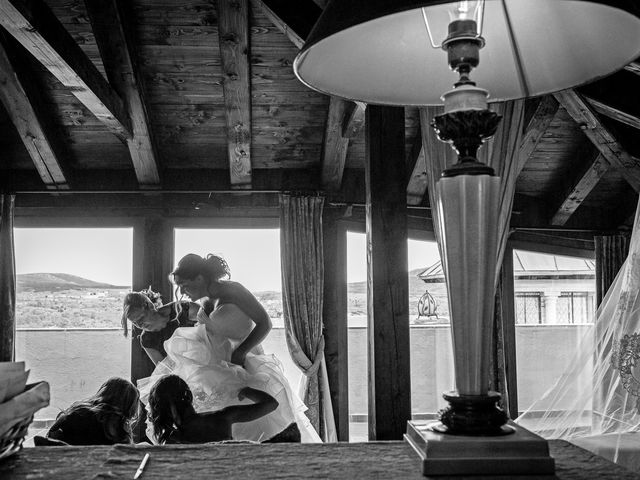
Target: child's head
120,394
169,399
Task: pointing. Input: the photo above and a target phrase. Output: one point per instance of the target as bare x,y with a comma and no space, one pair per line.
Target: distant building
549,289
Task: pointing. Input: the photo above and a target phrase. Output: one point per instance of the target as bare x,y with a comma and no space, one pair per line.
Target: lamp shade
379,51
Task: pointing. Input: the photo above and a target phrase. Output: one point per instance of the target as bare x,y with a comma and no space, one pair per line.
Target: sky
105,255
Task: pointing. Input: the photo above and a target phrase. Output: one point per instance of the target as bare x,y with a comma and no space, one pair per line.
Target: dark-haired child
103,419
175,420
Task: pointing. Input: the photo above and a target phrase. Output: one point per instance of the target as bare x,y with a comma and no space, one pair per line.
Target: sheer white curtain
595,402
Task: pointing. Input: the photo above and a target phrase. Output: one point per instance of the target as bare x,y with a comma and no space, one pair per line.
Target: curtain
611,251
595,402
7,279
500,152
302,297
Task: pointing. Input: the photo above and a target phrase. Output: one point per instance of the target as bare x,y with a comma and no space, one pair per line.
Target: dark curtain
302,296
7,279
611,252
498,379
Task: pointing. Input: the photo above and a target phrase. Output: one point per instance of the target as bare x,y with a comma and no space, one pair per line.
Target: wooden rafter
613,113
345,119
606,143
542,117
119,61
353,121
39,31
334,153
233,33
583,185
23,113
633,67
294,18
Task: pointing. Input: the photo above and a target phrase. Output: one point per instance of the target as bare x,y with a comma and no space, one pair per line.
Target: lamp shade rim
373,52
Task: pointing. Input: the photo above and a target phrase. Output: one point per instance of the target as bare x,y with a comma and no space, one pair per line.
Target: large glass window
431,354
253,256
554,311
70,286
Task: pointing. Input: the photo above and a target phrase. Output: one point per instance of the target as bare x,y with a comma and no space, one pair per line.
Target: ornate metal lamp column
468,202
375,51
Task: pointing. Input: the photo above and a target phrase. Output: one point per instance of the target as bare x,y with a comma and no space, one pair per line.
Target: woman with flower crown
145,310
222,353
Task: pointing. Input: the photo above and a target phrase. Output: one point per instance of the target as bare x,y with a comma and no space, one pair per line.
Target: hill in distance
416,286
40,282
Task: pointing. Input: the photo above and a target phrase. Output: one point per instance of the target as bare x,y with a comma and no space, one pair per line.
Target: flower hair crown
154,297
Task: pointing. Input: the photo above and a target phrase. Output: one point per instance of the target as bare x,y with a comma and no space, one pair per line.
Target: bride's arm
245,300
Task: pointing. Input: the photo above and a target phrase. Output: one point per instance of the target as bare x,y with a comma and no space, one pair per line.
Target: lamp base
522,453
473,415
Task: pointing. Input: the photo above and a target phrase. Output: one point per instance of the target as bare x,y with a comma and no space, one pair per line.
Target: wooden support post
509,331
335,319
387,283
152,261
8,278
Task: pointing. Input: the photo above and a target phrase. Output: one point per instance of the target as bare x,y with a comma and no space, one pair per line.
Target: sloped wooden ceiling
200,96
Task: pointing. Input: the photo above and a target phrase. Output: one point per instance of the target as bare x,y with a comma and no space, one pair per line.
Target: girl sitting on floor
103,419
175,420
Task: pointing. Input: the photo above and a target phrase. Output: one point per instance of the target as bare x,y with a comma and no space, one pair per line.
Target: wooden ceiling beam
613,113
294,18
113,34
334,151
23,111
233,33
606,143
345,119
633,67
34,26
540,121
582,186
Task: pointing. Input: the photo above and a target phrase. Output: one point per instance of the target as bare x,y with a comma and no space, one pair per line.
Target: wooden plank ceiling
200,95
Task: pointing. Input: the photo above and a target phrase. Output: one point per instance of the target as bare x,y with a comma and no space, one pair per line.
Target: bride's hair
142,299
169,399
213,267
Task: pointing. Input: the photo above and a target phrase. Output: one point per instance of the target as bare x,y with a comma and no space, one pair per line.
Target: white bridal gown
200,355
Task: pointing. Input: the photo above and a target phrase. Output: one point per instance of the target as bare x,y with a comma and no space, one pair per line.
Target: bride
222,353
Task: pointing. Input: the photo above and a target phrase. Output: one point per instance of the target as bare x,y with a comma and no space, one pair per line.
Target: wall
75,362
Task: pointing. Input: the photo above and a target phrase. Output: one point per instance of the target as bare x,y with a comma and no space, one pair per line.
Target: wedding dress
200,356
595,403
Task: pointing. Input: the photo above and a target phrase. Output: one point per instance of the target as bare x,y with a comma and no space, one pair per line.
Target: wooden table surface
383,460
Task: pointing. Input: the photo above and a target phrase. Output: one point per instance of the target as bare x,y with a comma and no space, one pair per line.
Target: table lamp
394,53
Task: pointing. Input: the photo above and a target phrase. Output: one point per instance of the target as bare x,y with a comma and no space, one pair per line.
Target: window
430,336
255,264
529,307
575,307
70,286
554,311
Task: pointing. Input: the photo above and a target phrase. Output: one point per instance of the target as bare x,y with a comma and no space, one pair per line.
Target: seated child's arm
263,405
